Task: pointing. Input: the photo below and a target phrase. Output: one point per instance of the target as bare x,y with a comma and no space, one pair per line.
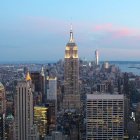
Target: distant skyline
39,30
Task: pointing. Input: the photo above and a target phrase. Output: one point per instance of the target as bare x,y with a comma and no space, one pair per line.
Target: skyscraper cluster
71,100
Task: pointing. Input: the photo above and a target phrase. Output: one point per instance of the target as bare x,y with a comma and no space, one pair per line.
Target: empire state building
71,98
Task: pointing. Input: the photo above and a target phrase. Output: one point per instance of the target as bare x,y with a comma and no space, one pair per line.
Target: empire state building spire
71,34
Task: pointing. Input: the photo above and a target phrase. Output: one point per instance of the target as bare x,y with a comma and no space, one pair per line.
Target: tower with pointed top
24,128
71,98
42,85
28,77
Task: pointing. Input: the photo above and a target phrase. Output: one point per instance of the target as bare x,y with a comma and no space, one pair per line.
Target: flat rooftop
104,96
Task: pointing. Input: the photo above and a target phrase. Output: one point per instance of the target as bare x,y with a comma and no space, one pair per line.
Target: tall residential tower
71,99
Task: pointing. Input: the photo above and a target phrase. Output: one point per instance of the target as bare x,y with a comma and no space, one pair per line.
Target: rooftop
104,96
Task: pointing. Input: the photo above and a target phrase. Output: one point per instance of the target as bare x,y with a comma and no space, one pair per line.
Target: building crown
28,77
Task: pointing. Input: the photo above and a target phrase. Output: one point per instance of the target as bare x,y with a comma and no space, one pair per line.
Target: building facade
41,120
71,98
42,85
2,111
24,128
104,117
51,84
38,80
56,136
52,88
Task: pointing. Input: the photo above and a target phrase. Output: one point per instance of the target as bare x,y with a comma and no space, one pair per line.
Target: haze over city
39,30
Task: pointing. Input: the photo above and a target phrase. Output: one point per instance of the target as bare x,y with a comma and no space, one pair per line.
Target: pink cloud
107,33
124,32
116,31
103,27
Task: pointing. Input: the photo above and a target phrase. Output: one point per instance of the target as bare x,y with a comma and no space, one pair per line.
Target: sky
38,30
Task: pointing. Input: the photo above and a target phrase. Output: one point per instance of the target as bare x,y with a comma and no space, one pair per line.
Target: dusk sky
33,30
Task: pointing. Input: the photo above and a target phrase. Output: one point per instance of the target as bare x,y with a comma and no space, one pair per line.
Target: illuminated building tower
24,128
2,111
104,116
71,98
96,58
41,120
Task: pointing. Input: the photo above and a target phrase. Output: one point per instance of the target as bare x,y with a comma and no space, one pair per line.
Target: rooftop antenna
71,33
71,26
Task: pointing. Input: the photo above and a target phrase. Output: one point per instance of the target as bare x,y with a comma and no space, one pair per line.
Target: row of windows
101,129
105,100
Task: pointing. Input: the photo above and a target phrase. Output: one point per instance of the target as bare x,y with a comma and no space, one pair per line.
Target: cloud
103,27
52,34
116,31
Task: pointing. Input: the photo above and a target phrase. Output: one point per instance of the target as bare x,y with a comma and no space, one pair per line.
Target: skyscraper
2,111
38,79
42,84
71,98
96,58
24,128
104,116
52,101
52,88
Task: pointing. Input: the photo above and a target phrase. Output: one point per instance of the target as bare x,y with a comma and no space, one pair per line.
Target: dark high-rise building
37,95
38,79
71,99
51,116
35,76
